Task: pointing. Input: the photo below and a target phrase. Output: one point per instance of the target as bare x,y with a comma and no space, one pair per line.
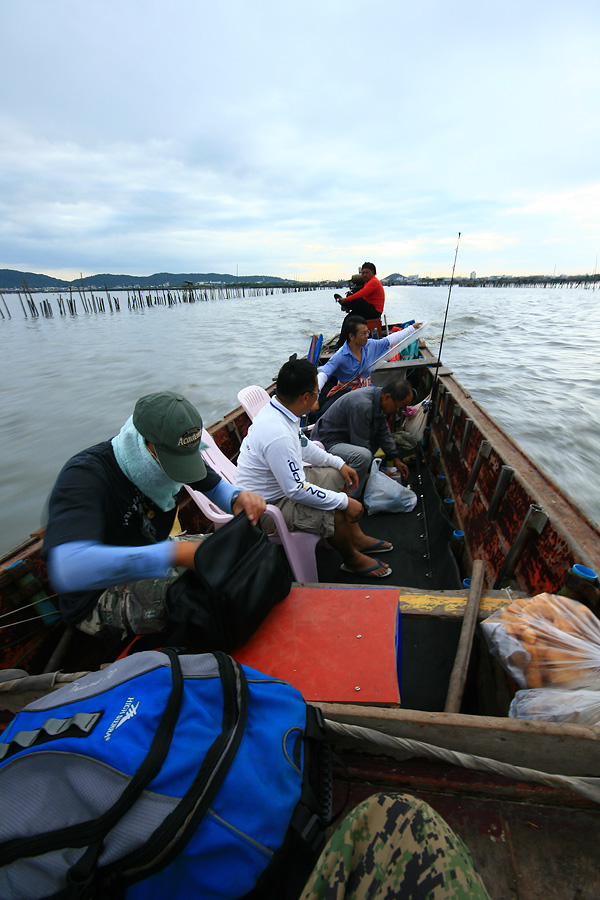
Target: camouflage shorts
128,609
392,846
136,608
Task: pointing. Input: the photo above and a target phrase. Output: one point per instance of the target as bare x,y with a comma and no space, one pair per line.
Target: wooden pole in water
6,307
463,654
32,307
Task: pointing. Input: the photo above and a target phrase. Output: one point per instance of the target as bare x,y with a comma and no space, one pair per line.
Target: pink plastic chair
252,399
216,459
299,546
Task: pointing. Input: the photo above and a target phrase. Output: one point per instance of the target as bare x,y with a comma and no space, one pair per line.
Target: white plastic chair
252,399
299,546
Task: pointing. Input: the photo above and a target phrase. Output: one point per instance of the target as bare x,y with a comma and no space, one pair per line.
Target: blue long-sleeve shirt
346,367
82,565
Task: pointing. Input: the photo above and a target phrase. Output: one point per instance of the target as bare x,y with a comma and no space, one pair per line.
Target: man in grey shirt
356,425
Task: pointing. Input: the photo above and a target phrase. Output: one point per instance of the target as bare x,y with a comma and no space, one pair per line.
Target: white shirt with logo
272,456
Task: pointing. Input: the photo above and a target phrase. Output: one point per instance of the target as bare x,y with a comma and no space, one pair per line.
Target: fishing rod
435,375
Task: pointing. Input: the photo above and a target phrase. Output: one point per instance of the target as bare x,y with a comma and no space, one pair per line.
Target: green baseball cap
174,426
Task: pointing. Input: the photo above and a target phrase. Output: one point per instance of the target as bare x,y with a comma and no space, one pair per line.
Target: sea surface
529,355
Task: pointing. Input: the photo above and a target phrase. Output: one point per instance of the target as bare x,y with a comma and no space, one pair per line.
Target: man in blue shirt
352,363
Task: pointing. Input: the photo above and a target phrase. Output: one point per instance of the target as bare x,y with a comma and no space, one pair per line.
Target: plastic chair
253,398
216,459
212,512
299,546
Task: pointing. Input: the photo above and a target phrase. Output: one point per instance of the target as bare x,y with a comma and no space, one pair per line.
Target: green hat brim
183,467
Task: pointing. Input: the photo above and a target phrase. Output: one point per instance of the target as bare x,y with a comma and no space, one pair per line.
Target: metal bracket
466,437
504,479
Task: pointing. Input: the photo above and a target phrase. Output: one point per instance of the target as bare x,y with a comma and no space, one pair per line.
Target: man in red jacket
368,301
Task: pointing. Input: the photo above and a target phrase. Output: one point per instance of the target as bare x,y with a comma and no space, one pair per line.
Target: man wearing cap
112,509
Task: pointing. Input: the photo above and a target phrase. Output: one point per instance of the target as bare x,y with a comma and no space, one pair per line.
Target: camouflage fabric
128,609
136,608
394,846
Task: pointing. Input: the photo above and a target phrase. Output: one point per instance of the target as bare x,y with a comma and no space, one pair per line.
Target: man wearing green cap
112,509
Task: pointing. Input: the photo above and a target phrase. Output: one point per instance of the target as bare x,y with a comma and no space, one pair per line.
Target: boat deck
421,557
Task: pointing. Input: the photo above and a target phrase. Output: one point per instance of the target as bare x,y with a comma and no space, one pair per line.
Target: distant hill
392,279
11,279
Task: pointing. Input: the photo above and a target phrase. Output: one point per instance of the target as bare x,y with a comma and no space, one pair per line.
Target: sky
299,139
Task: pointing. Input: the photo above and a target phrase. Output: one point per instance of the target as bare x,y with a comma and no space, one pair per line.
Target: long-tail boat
413,699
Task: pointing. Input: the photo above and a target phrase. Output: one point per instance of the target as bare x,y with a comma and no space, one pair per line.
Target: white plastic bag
415,424
383,494
546,641
550,705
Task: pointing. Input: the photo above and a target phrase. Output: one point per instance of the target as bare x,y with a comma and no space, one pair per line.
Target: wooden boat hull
524,835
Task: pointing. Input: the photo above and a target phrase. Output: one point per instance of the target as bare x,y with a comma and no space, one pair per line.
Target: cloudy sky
299,138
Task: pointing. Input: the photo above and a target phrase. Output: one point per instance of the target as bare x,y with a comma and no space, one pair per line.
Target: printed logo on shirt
305,485
128,711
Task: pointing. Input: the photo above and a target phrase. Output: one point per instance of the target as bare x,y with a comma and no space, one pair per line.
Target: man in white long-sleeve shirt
314,499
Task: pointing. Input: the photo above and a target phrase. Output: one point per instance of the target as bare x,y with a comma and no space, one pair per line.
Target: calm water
529,356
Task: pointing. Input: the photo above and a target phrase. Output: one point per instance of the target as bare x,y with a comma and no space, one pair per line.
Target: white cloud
293,138
579,204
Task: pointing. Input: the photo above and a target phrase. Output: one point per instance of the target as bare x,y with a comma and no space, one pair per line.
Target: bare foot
360,564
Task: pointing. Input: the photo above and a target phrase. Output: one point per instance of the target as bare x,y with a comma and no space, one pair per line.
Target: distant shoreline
137,283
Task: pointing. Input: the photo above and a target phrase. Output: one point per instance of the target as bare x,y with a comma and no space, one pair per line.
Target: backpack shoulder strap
179,826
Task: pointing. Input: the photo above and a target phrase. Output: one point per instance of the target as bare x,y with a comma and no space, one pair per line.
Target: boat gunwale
566,748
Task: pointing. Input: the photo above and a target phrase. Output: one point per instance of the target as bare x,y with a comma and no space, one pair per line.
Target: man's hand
184,553
354,510
252,504
417,325
349,475
402,467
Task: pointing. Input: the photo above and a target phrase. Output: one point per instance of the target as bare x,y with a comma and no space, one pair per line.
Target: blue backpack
162,776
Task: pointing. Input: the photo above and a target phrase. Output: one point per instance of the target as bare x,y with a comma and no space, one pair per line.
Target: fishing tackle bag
164,776
239,576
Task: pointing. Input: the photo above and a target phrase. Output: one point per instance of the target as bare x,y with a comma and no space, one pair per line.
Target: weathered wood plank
458,676
557,748
450,604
